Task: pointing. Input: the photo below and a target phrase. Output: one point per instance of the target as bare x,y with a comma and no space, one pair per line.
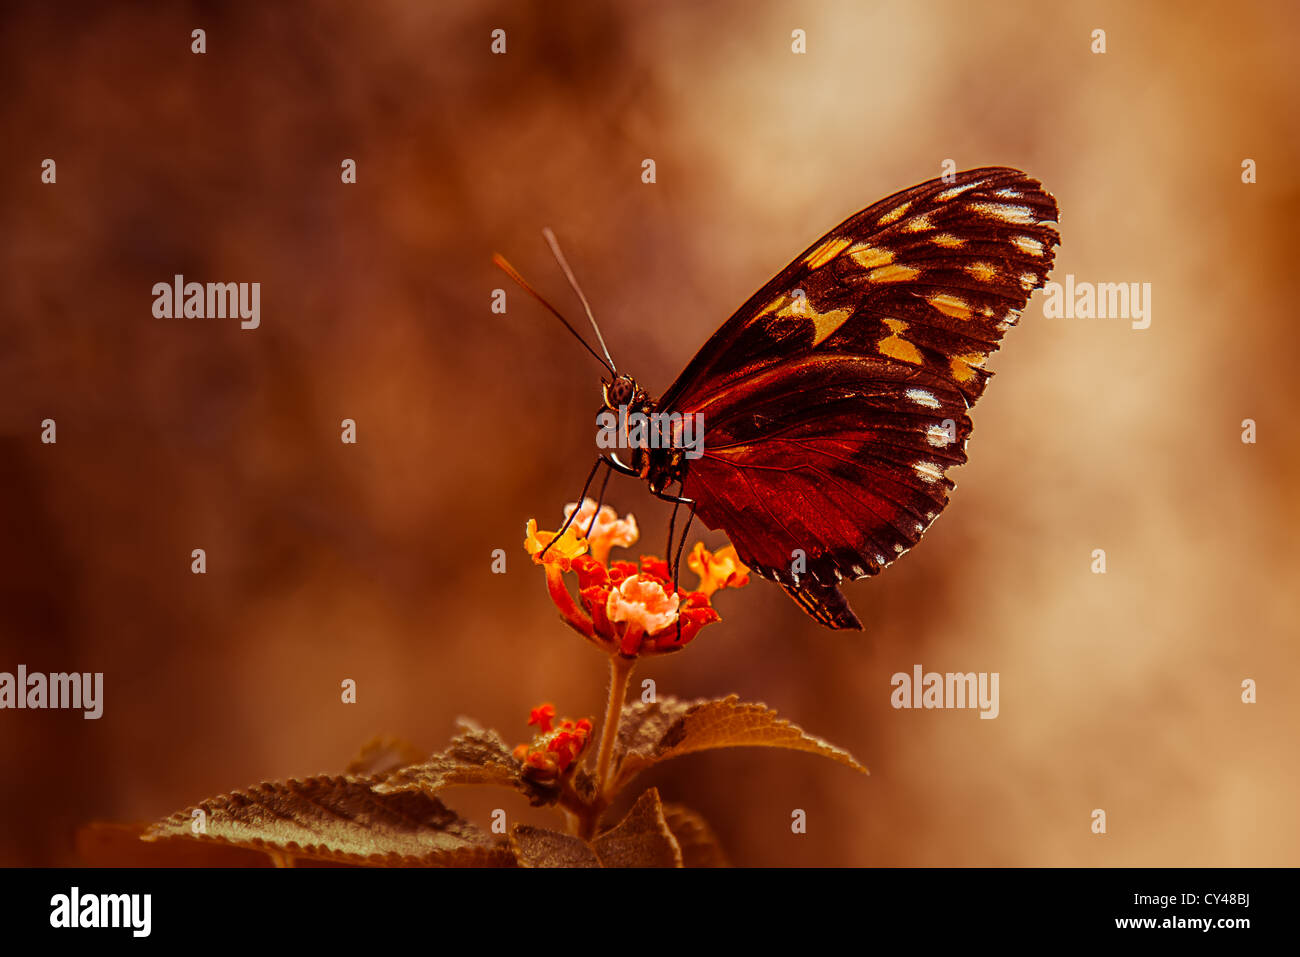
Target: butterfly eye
619,392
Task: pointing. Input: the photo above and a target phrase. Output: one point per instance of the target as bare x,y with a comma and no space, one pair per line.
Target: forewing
929,278
835,399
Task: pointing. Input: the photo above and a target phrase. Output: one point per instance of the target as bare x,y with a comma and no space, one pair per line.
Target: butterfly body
834,401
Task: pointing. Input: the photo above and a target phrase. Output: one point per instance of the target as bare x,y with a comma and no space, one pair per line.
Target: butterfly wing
835,399
826,468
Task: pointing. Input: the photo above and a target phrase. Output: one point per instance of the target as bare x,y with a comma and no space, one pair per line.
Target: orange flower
569,546
542,716
559,559
624,607
635,610
720,569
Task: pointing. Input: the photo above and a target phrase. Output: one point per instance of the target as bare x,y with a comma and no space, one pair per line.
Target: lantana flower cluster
556,747
629,608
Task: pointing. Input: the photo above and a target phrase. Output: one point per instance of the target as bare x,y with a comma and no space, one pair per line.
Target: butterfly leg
675,499
617,465
600,499
677,558
672,525
569,521
686,530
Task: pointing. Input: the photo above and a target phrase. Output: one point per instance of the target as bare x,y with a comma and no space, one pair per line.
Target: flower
557,559
720,569
643,603
607,530
547,549
636,610
629,608
555,749
542,716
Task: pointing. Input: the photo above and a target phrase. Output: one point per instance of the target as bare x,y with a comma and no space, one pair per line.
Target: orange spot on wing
893,273
825,252
964,366
895,346
950,305
870,257
894,214
824,323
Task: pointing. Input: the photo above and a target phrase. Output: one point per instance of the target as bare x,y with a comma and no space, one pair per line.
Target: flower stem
620,673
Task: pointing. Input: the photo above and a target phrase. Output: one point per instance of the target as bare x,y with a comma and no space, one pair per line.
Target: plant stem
620,673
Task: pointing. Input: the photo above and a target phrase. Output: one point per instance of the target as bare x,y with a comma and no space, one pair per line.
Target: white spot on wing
937,436
922,397
1028,245
928,471
1020,215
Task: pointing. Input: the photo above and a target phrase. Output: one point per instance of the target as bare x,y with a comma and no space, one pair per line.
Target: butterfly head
623,393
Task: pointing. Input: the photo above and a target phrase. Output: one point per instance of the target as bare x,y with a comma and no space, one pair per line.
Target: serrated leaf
475,756
641,839
700,846
383,754
340,819
539,847
668,728
118,844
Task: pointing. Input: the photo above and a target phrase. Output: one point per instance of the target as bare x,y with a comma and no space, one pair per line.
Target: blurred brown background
328,561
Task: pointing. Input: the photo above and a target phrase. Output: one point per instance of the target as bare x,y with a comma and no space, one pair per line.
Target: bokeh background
327,561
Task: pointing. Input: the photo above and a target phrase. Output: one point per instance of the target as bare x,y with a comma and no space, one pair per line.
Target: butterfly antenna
510,271
568,274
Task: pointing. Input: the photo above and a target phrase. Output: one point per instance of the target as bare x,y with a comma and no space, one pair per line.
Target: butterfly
833,402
